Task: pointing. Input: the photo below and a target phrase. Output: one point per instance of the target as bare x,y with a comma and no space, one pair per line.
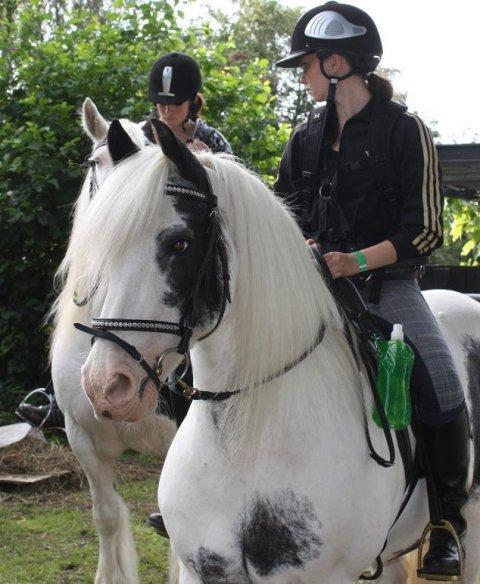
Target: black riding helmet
174,78
335,28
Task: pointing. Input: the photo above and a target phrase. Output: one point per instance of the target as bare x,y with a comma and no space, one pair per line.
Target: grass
49,537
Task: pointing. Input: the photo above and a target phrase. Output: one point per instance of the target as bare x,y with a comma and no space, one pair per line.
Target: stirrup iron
446,526
43,391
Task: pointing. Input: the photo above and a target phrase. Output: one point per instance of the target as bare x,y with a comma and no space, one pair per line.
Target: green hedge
46,71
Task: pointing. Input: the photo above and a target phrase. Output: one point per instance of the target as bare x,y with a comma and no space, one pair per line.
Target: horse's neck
279,303
312,401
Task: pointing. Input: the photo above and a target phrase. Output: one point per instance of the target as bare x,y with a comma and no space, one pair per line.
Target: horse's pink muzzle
119,390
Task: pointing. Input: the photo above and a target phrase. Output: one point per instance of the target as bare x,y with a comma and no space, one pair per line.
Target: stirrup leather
421,573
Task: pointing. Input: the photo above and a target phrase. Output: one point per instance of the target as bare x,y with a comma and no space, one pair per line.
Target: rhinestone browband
137,325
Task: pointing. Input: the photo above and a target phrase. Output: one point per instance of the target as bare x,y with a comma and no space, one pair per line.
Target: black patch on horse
472,362
211,567
182,268
215,569
279,532
120,144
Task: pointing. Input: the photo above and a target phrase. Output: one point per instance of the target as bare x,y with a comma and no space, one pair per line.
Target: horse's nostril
106,414
120,387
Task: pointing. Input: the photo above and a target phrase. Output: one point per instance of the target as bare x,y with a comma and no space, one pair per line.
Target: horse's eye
179,246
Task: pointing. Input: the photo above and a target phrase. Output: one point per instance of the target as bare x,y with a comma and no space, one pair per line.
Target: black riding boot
155,520
44,416
448,450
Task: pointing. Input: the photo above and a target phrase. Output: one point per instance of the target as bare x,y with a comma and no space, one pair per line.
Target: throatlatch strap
195,394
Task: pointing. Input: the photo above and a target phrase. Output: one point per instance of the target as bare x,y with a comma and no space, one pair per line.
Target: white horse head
145,243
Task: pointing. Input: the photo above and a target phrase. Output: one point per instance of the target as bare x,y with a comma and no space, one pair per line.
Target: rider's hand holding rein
347,264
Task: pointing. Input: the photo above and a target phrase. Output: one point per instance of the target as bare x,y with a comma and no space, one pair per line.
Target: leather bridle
102,327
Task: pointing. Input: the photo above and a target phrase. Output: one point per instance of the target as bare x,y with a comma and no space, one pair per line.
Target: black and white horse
96,442
274,484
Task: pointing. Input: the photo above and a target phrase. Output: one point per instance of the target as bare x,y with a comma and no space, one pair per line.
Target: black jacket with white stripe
413,223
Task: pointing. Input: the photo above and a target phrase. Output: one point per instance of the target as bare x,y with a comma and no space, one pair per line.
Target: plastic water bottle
393,380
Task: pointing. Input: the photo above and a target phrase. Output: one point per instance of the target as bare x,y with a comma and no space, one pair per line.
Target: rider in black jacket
174,88
412,222
363,180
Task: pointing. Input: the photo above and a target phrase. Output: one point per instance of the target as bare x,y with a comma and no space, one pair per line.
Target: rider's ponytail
196,107
379,86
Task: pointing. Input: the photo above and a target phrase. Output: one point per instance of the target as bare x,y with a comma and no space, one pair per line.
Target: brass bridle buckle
187,391
446,526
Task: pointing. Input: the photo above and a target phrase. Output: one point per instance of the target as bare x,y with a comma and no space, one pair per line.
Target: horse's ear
188,165
147,130
120,144
93,122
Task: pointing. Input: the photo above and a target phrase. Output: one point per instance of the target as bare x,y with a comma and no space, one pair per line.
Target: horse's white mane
67,277
127,205
280,302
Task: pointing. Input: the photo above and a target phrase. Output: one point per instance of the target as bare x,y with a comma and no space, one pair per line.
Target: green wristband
361,260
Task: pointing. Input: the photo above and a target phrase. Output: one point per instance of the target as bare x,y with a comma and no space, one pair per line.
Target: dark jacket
203,132
413,223
211,137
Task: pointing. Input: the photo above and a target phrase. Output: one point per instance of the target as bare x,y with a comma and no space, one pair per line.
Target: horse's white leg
117,563
151,435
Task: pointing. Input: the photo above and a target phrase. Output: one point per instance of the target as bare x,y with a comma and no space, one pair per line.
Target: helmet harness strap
332,88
